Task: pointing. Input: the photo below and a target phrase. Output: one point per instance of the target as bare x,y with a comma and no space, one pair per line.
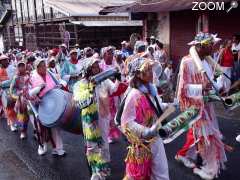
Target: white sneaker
13,128
185,161
238,138
58,152
42,150
23,135
204,175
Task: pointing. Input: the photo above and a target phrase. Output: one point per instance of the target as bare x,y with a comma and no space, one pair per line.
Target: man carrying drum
42,82
93,100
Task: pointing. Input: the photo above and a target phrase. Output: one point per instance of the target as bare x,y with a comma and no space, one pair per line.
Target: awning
154,6
107,23
84,7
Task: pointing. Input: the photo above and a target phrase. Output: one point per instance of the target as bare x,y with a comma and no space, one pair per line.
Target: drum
179,124
232,101
57,109
7,100
104,75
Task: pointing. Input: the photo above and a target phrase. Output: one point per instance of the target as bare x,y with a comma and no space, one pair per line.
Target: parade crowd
123,92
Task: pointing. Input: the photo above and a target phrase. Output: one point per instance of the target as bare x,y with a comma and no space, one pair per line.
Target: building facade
44,23
175,23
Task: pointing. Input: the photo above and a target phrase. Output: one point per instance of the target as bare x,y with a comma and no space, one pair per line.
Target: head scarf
87,63
37,62
139,65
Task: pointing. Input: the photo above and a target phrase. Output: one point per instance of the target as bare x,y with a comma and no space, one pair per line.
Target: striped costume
83,90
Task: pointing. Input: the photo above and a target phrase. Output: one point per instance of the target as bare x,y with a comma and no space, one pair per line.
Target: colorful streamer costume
18,91
146,159
3,77
114,133
205,136
9,111
84,94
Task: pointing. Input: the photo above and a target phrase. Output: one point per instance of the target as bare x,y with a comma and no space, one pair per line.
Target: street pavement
19,159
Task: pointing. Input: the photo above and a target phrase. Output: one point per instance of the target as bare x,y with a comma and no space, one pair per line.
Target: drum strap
118,116
157,109
119,112
53,77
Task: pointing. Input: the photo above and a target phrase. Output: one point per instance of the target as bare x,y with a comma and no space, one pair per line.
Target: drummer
70,70
4,76
95,115
42,78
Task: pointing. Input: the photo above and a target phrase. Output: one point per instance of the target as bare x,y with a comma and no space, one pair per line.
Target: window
18,35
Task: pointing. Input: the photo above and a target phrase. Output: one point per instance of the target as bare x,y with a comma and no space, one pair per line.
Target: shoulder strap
119,112
158,105
157,109
53,77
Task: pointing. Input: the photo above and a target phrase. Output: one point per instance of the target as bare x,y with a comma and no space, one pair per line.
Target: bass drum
57,109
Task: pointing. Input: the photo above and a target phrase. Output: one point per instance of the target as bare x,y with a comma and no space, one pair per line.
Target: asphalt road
19,159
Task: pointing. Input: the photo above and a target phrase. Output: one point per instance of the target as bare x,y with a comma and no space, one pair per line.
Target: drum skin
7,100
57,109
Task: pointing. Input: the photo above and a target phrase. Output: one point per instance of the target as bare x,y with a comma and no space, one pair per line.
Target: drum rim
56,122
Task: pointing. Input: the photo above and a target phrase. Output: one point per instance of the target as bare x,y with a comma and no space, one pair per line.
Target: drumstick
35,122
216,66
165,114
196,59
33,109
198,62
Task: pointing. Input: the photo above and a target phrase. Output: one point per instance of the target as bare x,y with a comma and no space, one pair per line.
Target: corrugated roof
155,6
84,7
